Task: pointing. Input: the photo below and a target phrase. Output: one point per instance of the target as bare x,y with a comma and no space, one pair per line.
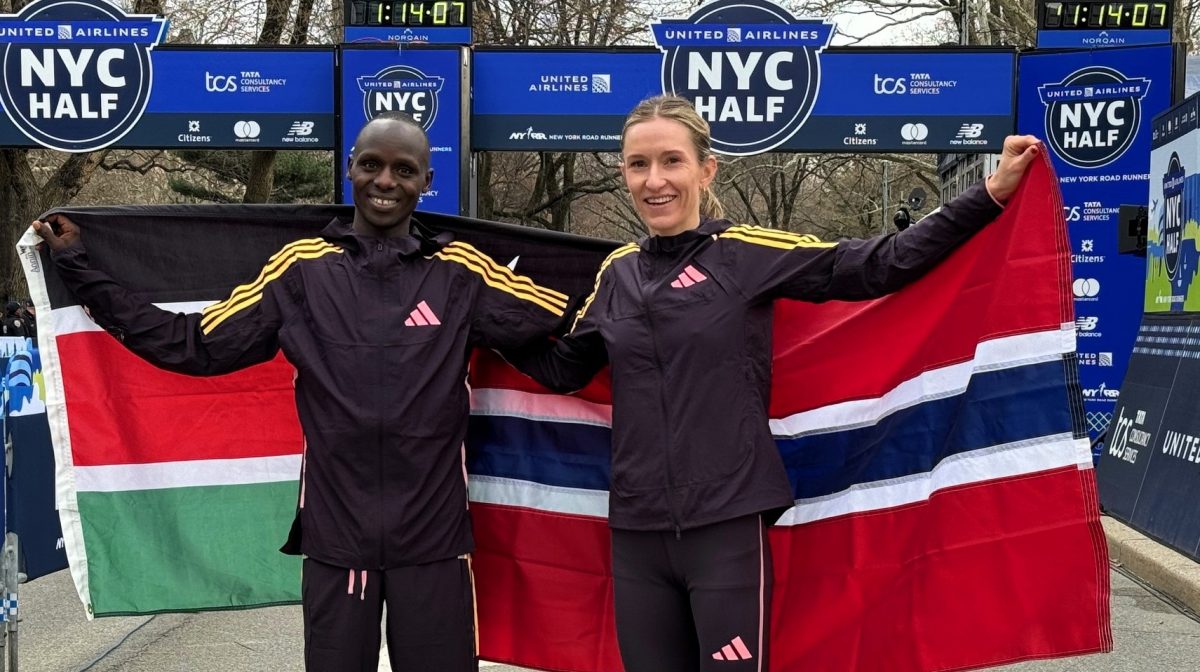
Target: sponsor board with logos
426,84
81,75
1149,470
1173,234
856,101
1093,110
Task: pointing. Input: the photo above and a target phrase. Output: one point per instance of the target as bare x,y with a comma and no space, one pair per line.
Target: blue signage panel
408,34
77,73
867,101
426,84
1149,472
1093,110
227,98
1092,39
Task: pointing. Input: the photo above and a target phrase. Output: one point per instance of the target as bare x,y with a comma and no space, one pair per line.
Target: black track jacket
379,331
685,322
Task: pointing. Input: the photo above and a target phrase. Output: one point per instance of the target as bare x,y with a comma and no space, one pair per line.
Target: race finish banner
764,80
1093,110
1172,231
80,76
1150,471
427,83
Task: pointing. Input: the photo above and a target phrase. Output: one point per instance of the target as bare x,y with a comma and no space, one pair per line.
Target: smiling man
378,321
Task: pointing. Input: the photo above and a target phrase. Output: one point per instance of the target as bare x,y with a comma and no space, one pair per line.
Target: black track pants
430,617
697,602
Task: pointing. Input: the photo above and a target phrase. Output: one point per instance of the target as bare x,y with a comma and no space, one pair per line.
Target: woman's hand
1019,151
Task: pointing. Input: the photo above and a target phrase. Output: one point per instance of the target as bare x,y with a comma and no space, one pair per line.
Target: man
13,323
379,321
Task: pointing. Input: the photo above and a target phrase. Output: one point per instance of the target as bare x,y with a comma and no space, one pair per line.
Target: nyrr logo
78,74
401,88
1093,115
1173,214
751,69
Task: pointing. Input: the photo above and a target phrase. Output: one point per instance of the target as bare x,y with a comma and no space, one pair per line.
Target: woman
684,318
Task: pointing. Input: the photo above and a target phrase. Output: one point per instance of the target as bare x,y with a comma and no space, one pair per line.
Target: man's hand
1019,152
58,231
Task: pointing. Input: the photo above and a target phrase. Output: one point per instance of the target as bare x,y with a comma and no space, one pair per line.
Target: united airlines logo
77,73
1093,115
1173,214
401,88
752,70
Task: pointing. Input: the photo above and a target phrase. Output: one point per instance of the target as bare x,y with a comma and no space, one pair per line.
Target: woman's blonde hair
680,109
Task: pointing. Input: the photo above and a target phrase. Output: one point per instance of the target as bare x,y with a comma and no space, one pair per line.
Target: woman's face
664,175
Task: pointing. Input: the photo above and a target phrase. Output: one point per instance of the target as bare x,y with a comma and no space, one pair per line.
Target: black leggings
699,601
430,617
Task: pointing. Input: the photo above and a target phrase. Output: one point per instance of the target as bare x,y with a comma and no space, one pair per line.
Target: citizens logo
401,88
193,135
751,69
85,94
1093,115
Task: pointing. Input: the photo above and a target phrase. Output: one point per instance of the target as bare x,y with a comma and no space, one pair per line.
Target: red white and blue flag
946,513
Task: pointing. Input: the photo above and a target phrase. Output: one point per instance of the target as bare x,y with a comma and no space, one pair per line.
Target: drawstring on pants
350,584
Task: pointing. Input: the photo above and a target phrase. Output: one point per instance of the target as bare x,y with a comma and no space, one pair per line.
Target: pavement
1156,593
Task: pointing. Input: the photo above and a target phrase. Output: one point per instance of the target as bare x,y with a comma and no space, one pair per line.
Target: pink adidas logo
688,277
422,316
735,650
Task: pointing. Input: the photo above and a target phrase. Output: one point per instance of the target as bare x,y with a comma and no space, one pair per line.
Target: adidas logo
735,650
688,277
422,316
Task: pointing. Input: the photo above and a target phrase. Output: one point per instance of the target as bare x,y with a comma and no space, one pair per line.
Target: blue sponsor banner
1093,110
77,73
1093,39
426,84
230,98
869,100
408,35
1149,471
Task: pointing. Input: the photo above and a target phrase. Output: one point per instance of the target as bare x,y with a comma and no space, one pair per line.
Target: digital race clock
1103,23
1100,14
437,21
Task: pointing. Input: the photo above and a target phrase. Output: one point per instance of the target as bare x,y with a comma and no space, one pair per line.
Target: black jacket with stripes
685,323
379,331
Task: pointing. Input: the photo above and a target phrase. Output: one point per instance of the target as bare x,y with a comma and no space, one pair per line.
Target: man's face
388,170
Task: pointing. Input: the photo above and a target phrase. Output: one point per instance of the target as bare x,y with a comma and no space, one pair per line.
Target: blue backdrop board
1093,110
29,500
1173,226
897,100
80,75
428,84
1149,473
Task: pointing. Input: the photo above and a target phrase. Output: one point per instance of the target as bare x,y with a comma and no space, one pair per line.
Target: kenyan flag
176,492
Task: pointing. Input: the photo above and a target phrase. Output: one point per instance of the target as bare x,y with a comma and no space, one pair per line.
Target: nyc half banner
81,75
1094,109
897,100
1173,213
935,471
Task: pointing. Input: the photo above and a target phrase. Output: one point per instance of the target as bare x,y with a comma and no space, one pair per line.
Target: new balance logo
422,316
735,650
688,277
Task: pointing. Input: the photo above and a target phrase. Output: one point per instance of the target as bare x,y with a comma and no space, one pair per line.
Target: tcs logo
890,85
220,83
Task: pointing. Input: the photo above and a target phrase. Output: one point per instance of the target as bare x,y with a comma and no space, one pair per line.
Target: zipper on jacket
662,402
379,500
